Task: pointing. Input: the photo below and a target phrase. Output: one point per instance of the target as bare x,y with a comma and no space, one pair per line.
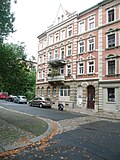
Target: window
69,31
49,56
111,40
48,91
38,92
111,15
62,70
81,46
54,91
44,58
43,73
111,94
69,52
81,68
62,34
40,60
39,74
51,40
90,67
56,37
56,54
91,22
42,91
62,53
65,91
111,67
41,45
91,44
69,69
82,26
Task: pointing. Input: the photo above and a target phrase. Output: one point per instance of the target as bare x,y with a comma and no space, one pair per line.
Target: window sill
112,75
109,48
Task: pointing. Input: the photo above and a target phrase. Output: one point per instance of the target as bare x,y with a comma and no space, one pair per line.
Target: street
96,140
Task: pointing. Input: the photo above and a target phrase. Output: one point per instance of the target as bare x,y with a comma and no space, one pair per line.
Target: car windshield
47,99
23,97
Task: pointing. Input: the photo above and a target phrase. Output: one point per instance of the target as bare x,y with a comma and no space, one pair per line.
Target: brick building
79,58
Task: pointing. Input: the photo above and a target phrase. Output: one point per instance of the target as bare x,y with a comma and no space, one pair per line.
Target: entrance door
91,97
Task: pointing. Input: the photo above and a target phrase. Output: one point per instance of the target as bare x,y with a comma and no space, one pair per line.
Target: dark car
10,98
41,102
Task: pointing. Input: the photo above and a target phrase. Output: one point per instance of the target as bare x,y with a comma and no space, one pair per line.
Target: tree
6,19
13,71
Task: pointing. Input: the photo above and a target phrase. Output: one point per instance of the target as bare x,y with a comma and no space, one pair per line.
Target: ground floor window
111,94
54,91
65,91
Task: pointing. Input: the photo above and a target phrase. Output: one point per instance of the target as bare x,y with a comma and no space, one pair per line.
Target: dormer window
62,17
58,19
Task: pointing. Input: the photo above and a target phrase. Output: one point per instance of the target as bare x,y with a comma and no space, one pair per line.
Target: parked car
3,95
41,102
11,98
20,99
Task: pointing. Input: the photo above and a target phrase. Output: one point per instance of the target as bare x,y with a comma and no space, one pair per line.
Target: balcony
56,62
59,78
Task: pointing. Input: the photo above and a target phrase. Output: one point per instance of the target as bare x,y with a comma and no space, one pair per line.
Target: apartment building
79,58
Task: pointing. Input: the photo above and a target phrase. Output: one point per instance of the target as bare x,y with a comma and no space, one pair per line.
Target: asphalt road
53,114
99,140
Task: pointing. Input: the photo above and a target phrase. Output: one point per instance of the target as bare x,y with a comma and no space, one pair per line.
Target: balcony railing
56,62
56,78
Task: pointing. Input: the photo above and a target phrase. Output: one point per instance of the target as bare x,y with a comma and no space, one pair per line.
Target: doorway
91,97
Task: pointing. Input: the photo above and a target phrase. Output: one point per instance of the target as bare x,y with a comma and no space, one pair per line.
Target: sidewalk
19,130
99,114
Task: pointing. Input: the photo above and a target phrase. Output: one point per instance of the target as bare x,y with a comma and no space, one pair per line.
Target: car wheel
30,104
40,105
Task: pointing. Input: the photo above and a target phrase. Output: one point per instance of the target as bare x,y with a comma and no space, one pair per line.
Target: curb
48,132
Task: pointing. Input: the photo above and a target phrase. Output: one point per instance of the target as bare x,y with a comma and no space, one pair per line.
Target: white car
20,99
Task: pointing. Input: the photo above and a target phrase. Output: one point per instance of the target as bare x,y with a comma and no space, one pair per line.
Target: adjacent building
79,58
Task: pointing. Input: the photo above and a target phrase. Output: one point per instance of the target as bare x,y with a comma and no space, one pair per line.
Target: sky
34,16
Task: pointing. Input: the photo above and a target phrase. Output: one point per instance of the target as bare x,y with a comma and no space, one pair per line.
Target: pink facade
79,59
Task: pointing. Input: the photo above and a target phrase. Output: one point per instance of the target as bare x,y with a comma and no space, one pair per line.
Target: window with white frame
91,44
48,91
69,50
69,69
42,91
80,68
43,73
81,46
44,58
56,54
91,22
56,37
50,40
61,70
62,53
64,91
39,74
111,67
111,94
54,91
40,60
62,34
110,15
111,40
91,67
40,44
69,31
49,56
38,91
44,43
82,26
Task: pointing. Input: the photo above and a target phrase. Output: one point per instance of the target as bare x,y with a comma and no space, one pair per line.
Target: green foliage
15,77
6,19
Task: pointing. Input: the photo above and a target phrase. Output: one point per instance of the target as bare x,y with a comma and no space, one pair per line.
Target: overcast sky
34,16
